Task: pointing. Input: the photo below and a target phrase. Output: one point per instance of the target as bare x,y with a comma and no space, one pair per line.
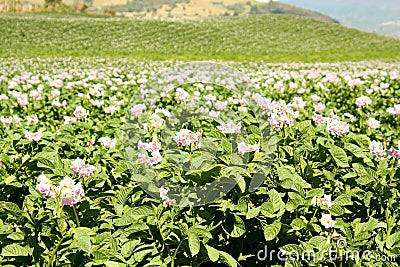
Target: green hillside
271,38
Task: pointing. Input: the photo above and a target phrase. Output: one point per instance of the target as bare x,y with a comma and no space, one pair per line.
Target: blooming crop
324,201
107,141
245,148
230,127
363,101
376,149
33,137
79,166
327,221
80,112
68,192
154,149
185,137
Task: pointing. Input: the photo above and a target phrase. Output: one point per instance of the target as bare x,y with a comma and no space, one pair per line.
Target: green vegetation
146,5
269,38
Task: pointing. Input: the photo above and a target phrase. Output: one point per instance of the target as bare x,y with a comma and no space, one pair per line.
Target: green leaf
114,264
298,224
213,254
11,207
82,239
194,242
18,236
354,149
340,156
284,173
123,194
392,240
276,200
251,213
343,200
364,179
10,179
239,228
228,259
128,248
272,230
14,250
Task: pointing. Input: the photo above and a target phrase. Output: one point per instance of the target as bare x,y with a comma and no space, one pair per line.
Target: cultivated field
274,38
99,146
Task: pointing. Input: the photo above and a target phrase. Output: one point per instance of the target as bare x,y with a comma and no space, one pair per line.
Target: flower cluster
281,114
298,102
33,137
156,121
327,221
80,112
395,110
111,109
363,101
79,166
67,191
394,153
91,142
164,197
377,150
107,141
186,137
33,119
373,123
181,95
230,127
154,149
333,124
246,148
319,107
324,201
337,127
138,109
45,186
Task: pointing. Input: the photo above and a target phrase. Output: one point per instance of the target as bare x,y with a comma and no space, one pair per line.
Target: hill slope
187,9
194,9
272,38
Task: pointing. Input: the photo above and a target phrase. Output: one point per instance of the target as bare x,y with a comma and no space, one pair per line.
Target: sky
381,16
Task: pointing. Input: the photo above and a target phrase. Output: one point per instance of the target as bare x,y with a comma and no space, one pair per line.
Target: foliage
117,224
268,38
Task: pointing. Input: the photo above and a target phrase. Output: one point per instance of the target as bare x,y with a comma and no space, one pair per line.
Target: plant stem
315,212
161,234
54,253
389,227
393,171
176,251
190,157
76,217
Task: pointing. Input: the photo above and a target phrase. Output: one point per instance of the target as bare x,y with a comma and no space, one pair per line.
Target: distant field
275,38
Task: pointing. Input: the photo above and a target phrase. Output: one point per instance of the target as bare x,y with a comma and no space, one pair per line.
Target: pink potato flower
186,137
376,149
363,101
33,136
79,166
45,186
107,141
230,128
68,192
